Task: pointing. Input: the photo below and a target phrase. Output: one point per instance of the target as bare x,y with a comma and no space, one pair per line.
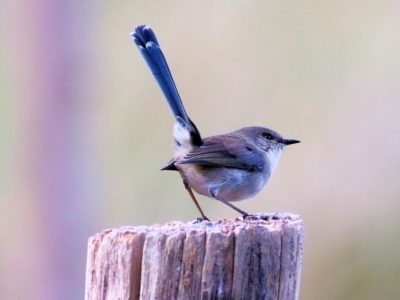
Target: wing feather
224,151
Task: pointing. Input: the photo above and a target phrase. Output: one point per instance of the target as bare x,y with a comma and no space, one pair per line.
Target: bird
227,167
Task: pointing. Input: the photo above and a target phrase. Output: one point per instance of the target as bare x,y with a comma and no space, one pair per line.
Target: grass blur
84,130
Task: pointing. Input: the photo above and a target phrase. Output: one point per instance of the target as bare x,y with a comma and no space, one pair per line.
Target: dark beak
289,142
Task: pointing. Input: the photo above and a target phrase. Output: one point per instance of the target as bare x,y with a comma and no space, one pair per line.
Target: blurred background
84,130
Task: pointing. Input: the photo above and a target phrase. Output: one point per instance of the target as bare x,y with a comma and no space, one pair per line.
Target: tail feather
146,41
149,47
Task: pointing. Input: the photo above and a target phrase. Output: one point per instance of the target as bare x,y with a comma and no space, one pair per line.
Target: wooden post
258,258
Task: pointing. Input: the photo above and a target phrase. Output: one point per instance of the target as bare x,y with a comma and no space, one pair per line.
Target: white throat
273,156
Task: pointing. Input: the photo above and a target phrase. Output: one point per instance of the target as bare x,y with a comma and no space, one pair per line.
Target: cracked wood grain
258,258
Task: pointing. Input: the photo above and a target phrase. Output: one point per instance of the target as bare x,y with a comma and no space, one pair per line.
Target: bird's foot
200,220
275,216
247,216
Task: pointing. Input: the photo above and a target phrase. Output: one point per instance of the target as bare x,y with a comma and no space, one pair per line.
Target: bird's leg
242,212
187,187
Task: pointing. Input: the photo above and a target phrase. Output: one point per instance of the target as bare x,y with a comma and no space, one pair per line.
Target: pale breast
229,183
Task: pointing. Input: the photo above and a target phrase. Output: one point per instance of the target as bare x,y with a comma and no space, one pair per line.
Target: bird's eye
267,136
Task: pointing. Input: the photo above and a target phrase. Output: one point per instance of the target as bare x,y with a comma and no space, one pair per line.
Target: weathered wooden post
259,258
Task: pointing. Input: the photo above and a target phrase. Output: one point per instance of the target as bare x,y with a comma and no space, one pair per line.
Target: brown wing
224,151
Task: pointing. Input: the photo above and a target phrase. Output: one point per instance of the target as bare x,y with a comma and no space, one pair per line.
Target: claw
246,216
200,220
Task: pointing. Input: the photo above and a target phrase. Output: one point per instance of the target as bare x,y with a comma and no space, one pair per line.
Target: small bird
227,167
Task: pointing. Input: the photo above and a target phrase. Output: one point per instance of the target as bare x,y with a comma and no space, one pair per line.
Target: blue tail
146,41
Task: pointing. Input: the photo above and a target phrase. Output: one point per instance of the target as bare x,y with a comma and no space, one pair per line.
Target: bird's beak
289,142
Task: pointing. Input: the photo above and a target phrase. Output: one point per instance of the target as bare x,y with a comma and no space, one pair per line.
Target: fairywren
228,167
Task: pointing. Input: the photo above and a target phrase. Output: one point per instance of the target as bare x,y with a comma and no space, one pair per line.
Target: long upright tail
146,41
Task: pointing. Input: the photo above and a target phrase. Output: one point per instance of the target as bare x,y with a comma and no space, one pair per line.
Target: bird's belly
229,183
241,184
